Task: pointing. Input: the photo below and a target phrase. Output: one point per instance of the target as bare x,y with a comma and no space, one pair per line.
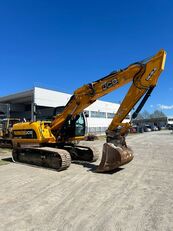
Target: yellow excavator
54,145
6,125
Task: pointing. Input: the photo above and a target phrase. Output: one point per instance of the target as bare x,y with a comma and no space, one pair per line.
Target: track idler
113,157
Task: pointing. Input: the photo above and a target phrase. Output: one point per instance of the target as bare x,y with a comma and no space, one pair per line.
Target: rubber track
95,150
95,153
65,156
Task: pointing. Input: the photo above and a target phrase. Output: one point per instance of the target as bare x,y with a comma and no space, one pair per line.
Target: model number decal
151,74
109,84
23,132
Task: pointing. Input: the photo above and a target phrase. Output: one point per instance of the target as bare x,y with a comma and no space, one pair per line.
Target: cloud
165,107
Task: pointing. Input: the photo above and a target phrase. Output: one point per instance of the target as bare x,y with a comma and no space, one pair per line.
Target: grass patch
3,162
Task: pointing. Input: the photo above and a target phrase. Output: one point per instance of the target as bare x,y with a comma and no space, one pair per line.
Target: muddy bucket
114,157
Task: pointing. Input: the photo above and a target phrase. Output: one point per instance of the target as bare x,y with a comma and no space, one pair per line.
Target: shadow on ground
5,161
8,159
92,167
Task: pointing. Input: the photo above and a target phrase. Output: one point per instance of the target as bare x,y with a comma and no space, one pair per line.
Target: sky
62,45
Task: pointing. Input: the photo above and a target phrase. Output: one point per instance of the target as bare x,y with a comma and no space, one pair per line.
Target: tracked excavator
6,131
54,145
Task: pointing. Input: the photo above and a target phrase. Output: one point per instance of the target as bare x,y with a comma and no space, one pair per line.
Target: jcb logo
109,84
28,132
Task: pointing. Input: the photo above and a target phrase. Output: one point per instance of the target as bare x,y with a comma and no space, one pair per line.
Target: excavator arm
144,76
115,150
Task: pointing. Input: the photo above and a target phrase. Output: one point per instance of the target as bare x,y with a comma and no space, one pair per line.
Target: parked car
133,129
154,128
170,126
147,128
163,127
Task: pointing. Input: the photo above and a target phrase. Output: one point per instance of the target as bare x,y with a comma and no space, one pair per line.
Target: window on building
110,115
98,114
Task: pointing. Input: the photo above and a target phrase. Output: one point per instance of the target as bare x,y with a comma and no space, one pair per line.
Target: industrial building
39,103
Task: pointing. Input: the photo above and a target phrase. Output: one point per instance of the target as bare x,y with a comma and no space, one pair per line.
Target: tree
139,117
157,114
145,114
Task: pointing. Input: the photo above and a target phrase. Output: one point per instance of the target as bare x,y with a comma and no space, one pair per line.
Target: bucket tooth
114,157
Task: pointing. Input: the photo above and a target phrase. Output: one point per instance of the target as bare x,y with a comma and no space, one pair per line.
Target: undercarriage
54,156
5,143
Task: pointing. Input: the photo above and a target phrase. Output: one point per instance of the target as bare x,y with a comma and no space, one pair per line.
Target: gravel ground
138,196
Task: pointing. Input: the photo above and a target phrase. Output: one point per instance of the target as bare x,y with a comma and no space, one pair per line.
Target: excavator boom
142,75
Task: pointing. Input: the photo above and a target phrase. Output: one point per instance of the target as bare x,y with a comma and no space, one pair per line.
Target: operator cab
7,125
72,127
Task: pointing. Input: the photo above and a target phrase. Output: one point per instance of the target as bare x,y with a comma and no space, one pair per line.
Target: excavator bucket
114,157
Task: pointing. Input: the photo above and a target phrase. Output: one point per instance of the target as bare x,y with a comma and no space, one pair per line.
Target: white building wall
99,125
49,98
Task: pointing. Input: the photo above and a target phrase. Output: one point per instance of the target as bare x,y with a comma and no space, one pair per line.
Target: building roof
50,98
24,97
39,96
